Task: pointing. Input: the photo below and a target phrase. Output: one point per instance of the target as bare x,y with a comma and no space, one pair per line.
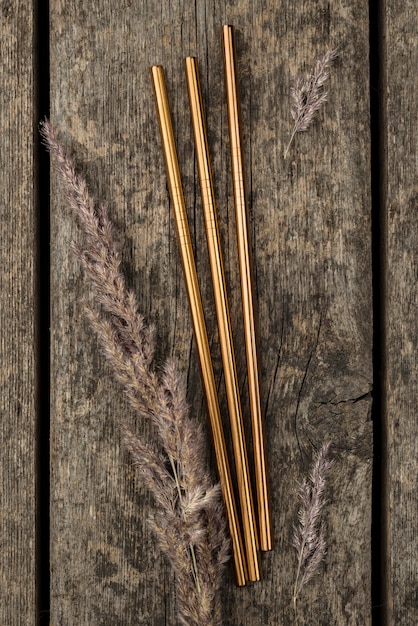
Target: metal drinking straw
247,290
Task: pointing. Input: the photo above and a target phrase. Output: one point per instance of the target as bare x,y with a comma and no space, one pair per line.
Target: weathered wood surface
311,238
17,320
400,204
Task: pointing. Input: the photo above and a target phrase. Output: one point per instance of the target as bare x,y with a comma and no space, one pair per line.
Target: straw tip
156,69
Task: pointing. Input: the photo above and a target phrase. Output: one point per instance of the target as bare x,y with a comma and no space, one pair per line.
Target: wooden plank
311,239
400,325
17,318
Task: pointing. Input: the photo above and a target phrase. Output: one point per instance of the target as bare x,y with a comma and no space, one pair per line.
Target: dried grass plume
309,94
188,522
309,534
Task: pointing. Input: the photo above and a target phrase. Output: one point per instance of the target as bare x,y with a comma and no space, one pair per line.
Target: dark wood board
311,232
18,279
400,201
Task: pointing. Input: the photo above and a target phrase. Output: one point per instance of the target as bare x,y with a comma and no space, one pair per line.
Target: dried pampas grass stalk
309,533
309,95
188,521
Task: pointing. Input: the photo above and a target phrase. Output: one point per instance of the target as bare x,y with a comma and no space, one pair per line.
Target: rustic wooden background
334,232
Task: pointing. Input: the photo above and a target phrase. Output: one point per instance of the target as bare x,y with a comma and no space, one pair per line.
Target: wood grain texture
17,321
400,195
311,238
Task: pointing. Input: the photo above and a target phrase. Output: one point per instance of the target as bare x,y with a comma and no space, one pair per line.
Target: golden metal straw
193,291
247,291
222,312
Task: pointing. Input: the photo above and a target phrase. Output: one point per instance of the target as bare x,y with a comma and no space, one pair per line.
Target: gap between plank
378,169
42,179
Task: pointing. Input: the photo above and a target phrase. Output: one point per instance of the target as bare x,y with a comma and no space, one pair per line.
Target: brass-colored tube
247,290
193,291
222,312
